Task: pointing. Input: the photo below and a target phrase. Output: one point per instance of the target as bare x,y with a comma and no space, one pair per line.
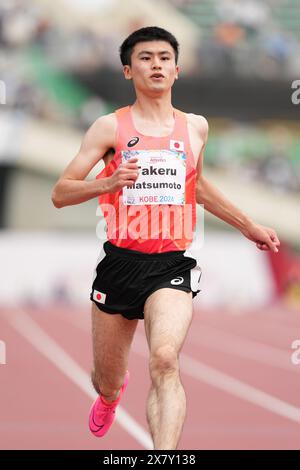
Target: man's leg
112,337
168,314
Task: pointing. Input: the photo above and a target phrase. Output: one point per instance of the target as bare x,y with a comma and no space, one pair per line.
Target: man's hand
125,175
265,238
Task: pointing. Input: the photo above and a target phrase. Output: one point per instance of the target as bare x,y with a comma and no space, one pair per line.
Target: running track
242,388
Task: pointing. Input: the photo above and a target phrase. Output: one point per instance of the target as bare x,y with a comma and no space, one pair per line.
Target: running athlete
148,191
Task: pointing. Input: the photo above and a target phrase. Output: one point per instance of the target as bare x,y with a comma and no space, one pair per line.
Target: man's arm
216,203
72,188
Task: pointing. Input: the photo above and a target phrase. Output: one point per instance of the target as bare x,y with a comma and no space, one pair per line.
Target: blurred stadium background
59,71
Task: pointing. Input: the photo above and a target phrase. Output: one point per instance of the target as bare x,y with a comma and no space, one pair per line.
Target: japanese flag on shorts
176,145
99,296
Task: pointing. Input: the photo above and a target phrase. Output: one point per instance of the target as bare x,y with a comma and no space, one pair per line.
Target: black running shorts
124,278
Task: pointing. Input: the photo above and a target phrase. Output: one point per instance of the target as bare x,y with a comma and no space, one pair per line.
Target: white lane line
38,338
240,389
219,340
200,371
265,325
222,381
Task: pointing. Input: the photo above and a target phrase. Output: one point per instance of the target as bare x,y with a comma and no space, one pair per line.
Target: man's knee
163,361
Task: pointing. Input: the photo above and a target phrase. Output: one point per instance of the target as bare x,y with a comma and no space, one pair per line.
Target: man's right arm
72,188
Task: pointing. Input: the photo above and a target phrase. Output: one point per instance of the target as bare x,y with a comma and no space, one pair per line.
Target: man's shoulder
105,125
102,131
106,121
199,122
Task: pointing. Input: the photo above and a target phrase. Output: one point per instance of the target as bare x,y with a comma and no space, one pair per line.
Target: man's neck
154,109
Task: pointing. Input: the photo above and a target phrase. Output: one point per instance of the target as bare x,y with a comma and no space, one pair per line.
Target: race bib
161,177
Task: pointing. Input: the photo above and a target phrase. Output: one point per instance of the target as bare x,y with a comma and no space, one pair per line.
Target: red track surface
42,408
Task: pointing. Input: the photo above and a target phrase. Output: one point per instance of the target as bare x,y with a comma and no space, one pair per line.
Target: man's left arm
215,202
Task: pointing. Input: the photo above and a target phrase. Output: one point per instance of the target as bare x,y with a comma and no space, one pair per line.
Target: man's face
153,67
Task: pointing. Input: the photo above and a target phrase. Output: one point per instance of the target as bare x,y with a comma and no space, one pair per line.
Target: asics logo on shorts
177,281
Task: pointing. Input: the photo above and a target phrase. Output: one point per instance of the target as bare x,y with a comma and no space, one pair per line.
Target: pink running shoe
102,415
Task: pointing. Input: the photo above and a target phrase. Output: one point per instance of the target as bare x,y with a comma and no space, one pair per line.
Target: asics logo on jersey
177,281
133,142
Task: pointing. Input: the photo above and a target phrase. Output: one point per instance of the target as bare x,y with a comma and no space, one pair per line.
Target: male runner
148,191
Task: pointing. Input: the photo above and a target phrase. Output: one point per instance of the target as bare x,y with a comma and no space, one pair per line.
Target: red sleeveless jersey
158,214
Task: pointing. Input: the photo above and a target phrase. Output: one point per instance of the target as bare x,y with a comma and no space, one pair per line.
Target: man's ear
127,72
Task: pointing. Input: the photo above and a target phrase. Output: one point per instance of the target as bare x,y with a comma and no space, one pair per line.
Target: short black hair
149,33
